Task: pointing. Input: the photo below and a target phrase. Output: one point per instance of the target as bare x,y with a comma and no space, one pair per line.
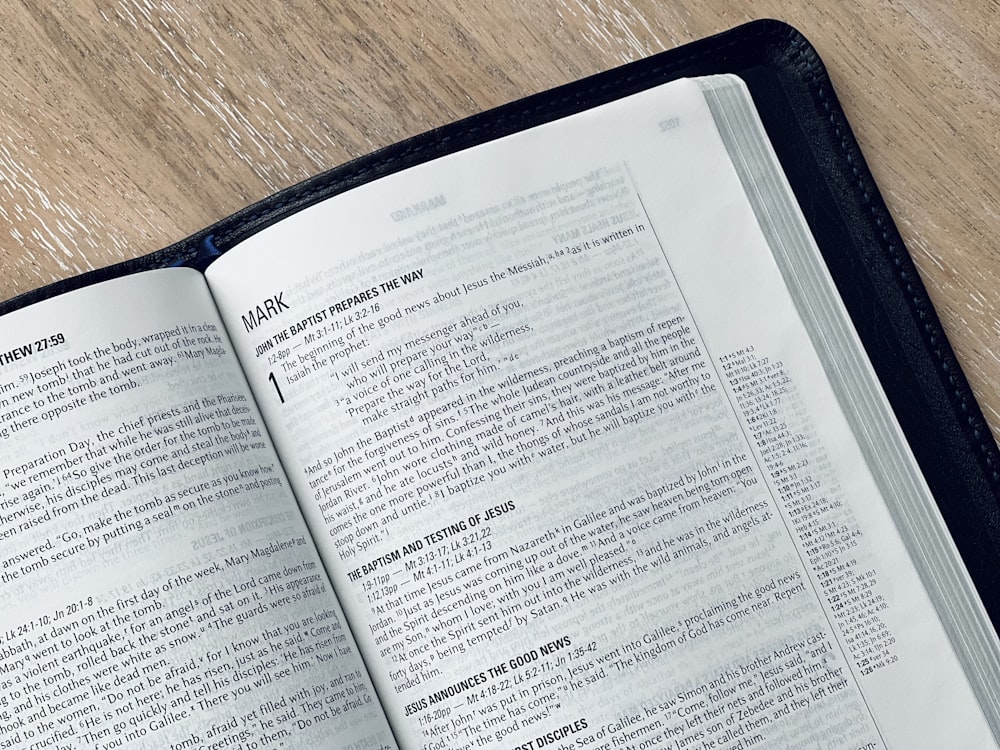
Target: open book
562,441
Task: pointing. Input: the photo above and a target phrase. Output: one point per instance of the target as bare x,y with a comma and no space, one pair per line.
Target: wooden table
129,125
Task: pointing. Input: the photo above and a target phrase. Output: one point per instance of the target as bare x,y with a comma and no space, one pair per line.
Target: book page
572,461
158,587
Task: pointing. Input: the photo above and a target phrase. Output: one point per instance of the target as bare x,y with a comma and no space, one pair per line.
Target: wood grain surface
126,126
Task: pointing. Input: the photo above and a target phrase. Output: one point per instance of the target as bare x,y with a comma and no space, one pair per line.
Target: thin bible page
577,471
158,587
